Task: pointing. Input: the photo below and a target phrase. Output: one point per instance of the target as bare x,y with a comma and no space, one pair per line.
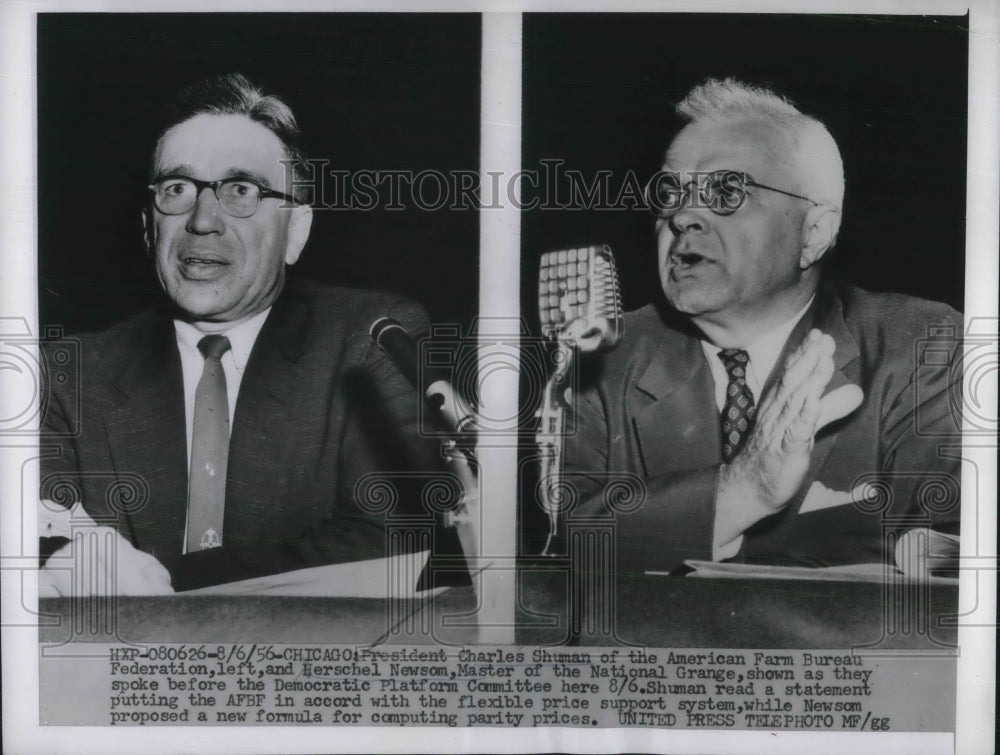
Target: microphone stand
549,440
465,517
460,458
459,419
580,309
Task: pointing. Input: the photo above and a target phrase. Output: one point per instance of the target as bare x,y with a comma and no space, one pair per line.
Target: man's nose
689,217
206,215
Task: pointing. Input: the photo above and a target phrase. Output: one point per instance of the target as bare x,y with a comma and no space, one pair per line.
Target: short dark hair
235,94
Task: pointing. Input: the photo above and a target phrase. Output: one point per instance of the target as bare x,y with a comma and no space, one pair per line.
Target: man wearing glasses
771,415
222,433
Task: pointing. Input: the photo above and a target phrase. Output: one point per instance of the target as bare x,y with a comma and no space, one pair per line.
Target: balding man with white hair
771,415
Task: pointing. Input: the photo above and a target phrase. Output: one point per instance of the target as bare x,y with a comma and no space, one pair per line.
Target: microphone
580,308
579,299
400,347
460,420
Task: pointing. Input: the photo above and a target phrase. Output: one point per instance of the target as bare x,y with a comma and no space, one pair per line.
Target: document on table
872,572
921,554
396,576
733,570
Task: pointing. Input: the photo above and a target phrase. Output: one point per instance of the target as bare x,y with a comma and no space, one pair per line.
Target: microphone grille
579,284
606,291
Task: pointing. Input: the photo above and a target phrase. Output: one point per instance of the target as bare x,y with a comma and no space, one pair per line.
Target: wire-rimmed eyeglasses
721,191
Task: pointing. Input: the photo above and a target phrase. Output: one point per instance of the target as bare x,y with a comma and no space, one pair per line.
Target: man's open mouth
191,260
687,259
196,266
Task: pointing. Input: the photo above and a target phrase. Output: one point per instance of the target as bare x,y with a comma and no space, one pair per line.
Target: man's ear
298,232
819,232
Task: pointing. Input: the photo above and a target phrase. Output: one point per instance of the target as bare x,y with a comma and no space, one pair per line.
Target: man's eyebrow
247,175
187,171
174,171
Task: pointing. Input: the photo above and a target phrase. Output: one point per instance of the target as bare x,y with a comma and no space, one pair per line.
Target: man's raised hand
767,473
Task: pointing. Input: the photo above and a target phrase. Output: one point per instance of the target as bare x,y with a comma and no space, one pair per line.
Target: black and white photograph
614,378
846,280
219,455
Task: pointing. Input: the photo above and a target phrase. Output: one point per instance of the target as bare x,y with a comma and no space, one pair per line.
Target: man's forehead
749,145
217,146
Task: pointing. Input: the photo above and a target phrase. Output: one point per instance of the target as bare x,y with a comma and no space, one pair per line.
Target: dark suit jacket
319,408
647,447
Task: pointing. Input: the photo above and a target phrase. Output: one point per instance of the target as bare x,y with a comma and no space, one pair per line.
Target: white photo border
18,303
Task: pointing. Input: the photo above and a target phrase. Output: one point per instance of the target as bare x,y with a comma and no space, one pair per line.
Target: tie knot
735,361
213,347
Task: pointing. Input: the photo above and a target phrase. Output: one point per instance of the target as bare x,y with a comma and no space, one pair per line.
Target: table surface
654,611
662,611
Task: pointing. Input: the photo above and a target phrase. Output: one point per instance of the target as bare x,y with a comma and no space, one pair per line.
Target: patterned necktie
209,450
738,411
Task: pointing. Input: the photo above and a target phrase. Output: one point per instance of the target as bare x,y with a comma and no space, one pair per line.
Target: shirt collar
241,337
766,349
764,352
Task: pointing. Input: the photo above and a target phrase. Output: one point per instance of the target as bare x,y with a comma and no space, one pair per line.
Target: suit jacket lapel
673,406
272,383
830,319
827,314
147,439
673,403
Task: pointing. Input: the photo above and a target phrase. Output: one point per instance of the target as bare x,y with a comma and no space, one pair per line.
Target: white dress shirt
241,340
764,353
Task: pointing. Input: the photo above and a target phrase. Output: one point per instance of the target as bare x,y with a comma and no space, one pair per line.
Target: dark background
391,91
370,91
599,92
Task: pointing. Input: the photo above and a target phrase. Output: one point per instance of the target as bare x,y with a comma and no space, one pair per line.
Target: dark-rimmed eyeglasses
721,191
238,197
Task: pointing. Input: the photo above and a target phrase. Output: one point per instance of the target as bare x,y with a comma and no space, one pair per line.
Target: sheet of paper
847,573
357,579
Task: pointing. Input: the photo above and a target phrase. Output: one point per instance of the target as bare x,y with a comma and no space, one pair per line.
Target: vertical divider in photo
499,321
975,704
20,374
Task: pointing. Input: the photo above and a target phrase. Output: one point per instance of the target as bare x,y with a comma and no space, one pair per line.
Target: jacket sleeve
59,478
919,483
